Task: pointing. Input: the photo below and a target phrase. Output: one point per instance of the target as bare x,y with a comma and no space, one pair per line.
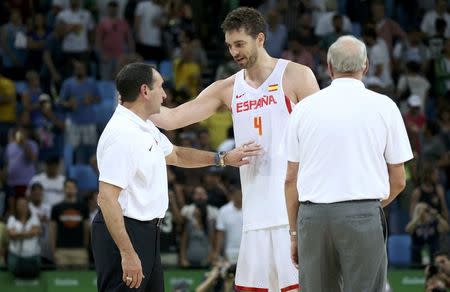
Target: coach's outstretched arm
190,158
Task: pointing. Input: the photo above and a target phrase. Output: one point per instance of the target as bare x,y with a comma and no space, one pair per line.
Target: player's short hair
130,79
347,55
247,18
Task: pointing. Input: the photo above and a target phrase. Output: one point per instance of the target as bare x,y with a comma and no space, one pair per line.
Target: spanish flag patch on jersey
273,87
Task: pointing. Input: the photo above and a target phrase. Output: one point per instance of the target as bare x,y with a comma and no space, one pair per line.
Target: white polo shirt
343,137
131,155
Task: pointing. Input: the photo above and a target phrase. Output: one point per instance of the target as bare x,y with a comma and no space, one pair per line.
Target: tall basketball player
260,97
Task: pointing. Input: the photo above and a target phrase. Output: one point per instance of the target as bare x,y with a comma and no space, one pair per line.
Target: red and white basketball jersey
261,115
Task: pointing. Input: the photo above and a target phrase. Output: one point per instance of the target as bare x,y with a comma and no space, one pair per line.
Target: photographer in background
220,278
425,229
439,269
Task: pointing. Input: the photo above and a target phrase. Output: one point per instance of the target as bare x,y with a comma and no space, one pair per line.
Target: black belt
156,221
349,201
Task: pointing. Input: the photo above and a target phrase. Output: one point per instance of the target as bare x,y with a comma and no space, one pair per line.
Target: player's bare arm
198,109
299,82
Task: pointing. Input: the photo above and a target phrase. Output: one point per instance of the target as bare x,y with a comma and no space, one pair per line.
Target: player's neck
261,70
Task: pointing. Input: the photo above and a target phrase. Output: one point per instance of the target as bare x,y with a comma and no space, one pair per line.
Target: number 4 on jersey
257,124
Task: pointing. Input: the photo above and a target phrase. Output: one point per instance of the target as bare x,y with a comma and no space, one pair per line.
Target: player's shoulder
296,70
220,88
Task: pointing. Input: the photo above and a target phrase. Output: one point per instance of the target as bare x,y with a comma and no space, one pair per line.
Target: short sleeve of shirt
165,144
398,148
117,163
291,140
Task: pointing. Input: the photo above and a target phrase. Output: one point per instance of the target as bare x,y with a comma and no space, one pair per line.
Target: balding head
347,55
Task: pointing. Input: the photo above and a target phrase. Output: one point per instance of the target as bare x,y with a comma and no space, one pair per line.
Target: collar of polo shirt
348,80
146,125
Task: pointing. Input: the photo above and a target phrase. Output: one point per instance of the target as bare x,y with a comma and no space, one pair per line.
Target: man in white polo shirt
346,146
133,195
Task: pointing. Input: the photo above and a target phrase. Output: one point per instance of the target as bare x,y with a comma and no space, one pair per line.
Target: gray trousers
342,247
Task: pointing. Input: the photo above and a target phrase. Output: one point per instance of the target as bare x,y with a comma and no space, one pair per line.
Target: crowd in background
59,59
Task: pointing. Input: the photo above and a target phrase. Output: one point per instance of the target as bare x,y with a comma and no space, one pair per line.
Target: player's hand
294,251
132,269
237,156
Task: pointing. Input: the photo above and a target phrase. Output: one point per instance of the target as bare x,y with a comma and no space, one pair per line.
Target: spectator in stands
325,23
436,42
21,155
14,43
338,23
214,186
70,229
78,27
227,67
24,251
52,180
387,29
30,98
78,95
54,62
148,21
411,49
196,245
7,107
429,19
425,228
204,140
413,83
432,147
229,227
217,126
187,74
414,121
198,52
36,37
276,34
42,211
297,52
430,192
113,39
378,53
441,73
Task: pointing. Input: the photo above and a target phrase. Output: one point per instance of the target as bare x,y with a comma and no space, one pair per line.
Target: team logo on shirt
254,104
273,87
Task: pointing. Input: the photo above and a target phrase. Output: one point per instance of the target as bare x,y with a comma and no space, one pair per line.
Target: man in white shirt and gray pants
133,195
346,148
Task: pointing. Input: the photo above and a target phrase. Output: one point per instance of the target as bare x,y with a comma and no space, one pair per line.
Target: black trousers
144,236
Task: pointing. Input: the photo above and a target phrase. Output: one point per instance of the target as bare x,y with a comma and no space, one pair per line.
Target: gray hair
347,55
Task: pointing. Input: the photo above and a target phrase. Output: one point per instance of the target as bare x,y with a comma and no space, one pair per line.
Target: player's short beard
251,60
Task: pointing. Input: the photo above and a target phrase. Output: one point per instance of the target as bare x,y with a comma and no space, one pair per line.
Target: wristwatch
219,159
292,233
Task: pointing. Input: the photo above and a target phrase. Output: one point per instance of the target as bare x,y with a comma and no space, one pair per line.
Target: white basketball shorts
264,263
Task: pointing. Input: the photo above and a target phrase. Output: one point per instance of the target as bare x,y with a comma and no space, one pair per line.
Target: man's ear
366,69
330,70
